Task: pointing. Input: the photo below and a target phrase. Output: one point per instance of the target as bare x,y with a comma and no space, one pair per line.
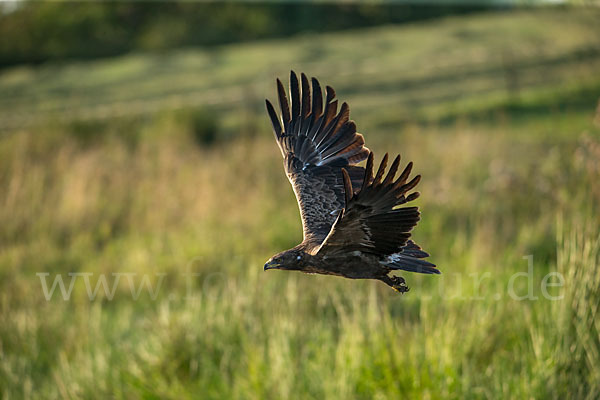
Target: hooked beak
272,265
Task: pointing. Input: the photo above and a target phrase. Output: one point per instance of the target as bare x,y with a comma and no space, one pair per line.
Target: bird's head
293,259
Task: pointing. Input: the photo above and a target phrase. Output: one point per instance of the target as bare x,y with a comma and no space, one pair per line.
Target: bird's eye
299,258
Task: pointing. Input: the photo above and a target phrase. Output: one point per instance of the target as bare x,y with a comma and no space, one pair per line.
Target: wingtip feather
347,186
381,170
283,104
368,172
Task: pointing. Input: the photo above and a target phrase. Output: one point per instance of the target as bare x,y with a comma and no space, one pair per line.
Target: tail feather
414,250
411,259
410,263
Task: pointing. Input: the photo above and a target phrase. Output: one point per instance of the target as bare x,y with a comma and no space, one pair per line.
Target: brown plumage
353,225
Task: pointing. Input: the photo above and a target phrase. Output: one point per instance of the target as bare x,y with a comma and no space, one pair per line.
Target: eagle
353,225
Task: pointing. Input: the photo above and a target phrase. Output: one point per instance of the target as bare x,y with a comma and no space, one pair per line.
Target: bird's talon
399,284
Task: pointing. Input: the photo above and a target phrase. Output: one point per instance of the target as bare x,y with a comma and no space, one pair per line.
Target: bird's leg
396,282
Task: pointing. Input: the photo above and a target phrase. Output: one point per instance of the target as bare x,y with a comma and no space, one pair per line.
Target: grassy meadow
158,173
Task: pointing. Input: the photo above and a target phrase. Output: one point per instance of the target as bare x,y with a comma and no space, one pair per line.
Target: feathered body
352,223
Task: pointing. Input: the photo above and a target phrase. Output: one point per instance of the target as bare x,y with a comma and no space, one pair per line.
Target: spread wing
316,142
372,223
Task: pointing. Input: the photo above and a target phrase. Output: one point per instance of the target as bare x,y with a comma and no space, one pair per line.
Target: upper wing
316,144
372,223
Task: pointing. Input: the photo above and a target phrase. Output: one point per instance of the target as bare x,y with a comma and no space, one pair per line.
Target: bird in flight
352,221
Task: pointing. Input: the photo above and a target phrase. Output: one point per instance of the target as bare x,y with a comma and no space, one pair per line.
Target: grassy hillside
163,166
453,65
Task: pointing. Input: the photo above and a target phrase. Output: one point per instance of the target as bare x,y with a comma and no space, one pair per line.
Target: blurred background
141,192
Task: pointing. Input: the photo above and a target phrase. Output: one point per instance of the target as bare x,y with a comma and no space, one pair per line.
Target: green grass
394,73
164,164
